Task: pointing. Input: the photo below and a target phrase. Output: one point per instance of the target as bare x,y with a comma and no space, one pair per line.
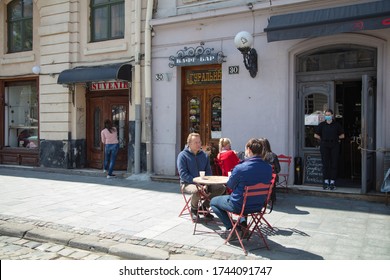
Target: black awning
99,73
353,18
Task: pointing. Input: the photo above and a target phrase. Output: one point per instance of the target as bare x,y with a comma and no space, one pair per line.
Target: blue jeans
221,204
110,153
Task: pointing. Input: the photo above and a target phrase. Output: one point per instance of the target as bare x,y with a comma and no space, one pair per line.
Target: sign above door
190,56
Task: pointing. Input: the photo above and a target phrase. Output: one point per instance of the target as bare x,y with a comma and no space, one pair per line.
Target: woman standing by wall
109,137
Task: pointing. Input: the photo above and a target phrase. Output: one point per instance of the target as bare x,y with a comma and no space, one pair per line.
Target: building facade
311,55
66,66
237,69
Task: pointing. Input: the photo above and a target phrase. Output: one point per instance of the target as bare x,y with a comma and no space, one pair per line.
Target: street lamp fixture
244,42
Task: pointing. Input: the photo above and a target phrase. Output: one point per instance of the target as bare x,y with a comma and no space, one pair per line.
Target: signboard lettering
196,56
109,86
313,169
197,77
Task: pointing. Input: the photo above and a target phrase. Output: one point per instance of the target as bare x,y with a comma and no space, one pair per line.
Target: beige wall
61,41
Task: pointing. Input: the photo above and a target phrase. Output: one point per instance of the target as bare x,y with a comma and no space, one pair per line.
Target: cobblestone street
13,248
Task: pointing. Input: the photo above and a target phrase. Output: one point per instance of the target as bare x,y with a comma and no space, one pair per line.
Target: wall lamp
36,69
243,42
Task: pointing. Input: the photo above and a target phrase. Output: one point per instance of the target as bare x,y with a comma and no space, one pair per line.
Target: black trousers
330,157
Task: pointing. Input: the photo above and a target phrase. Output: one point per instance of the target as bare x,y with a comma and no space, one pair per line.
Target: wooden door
101,108
202,114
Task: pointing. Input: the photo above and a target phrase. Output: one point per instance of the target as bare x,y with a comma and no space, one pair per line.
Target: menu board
313,169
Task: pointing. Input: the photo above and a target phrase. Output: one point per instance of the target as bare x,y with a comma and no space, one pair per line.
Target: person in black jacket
329,132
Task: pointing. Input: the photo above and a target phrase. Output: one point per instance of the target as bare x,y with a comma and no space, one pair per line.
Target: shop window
21,115
119,121
216,118
194,115
107,20
20,25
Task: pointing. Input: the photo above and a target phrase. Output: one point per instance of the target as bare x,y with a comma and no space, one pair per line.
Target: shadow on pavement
94,178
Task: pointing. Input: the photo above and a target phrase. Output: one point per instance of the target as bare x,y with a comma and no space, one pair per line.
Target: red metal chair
217,167
187,204
285,162
203,196
255,219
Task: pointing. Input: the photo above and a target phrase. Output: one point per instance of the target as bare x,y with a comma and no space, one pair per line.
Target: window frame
22,22
109,4
7,123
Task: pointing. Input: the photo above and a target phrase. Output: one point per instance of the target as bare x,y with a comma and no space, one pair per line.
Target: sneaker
105,171
243,225
332,187
194,214
111,176
234,236
325,186
208,215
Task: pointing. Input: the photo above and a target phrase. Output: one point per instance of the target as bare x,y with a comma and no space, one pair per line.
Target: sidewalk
135,218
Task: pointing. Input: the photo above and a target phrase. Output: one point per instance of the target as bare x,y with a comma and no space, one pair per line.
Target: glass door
202,114
313,99
102,108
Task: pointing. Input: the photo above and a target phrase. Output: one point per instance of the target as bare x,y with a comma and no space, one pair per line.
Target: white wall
263,106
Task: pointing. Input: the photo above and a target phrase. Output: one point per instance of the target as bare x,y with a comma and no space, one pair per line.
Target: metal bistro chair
187,205
217,167
203,196
255,217
285,162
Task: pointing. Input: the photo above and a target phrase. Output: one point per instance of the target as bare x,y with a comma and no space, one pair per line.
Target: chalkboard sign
313,169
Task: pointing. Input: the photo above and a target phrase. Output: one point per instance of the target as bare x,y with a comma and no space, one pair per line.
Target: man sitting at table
189,162
251,171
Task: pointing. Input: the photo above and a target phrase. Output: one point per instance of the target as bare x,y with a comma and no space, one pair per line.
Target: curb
123,246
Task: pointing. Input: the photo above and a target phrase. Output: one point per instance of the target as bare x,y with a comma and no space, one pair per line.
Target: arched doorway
341,77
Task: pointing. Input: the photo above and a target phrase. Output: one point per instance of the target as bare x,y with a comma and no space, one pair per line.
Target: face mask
328,118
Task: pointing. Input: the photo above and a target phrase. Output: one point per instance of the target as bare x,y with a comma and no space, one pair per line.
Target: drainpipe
148,87
137,88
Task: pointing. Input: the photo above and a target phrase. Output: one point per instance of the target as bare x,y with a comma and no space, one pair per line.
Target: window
118,115
21,115
20,26
337,58
315,106
107,19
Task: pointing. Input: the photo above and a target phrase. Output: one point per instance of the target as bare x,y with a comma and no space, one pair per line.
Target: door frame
360,39
209,90
107,99
367,180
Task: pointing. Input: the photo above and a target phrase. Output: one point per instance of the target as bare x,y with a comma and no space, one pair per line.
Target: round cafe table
211,180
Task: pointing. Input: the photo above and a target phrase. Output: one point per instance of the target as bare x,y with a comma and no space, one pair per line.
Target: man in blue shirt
189,162
251,171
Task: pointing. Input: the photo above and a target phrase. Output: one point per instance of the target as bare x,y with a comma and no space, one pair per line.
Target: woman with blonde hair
227,158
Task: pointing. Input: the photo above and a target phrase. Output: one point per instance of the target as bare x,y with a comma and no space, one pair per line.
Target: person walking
251,171
190,161
330,133
109,138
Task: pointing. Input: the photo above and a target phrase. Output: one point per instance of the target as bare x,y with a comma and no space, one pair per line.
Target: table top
211,180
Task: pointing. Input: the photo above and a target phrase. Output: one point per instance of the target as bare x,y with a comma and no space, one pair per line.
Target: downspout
148,87
137,88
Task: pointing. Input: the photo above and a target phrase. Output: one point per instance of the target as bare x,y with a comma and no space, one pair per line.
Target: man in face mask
329,132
